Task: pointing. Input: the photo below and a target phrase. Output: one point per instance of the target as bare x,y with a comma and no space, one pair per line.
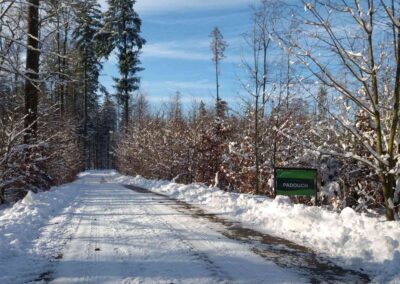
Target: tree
372,66
32,90
106,127
258,41
218,46
122,27
60,21
141,111
88,25
37,148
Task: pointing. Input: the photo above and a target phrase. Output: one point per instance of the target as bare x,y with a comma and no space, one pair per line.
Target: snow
355,240
20,226
29,199
354,54
94,230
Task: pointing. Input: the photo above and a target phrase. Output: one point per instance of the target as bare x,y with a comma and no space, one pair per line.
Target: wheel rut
216,272
282,252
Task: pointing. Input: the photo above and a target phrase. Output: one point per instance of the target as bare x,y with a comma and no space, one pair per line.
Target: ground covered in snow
350,239
95,230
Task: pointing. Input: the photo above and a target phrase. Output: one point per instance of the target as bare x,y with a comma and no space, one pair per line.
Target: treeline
201,146
321,88
55,118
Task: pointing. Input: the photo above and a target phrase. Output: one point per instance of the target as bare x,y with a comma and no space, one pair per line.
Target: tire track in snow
216,271
143,241
55,237
282,252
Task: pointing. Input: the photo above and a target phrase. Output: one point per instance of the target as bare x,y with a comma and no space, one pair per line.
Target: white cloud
197,85
173,86
165,6
187,50
192,49
162,91
185,100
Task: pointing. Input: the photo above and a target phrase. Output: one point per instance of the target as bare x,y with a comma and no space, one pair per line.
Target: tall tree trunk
256,145
2,196
126,73
64,67
387,180
217,86
32,72
126,111
256,50
264,81
62,64
288,82
85,118
388,184
59,83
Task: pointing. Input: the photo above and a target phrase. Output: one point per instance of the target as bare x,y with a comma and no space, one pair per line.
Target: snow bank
20,227
352,239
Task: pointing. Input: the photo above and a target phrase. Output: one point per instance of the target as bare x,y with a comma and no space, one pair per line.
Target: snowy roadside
59,236
351,239
23,223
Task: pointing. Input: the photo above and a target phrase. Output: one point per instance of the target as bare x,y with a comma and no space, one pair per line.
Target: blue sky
177,56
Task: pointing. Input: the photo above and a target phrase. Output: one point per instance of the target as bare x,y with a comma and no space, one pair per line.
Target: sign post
296,181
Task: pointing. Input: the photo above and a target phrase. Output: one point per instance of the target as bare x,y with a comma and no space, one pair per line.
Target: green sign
296,181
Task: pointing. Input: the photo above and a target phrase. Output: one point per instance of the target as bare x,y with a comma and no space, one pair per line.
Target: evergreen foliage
121,31
88,24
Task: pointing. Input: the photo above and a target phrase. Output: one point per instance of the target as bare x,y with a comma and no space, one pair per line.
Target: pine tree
218,46
122,27
105,133
88,24
140,111
202,112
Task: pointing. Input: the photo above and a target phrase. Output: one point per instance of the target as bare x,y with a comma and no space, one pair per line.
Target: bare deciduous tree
350,36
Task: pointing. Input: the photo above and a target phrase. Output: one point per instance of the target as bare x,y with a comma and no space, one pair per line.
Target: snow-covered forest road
110,233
